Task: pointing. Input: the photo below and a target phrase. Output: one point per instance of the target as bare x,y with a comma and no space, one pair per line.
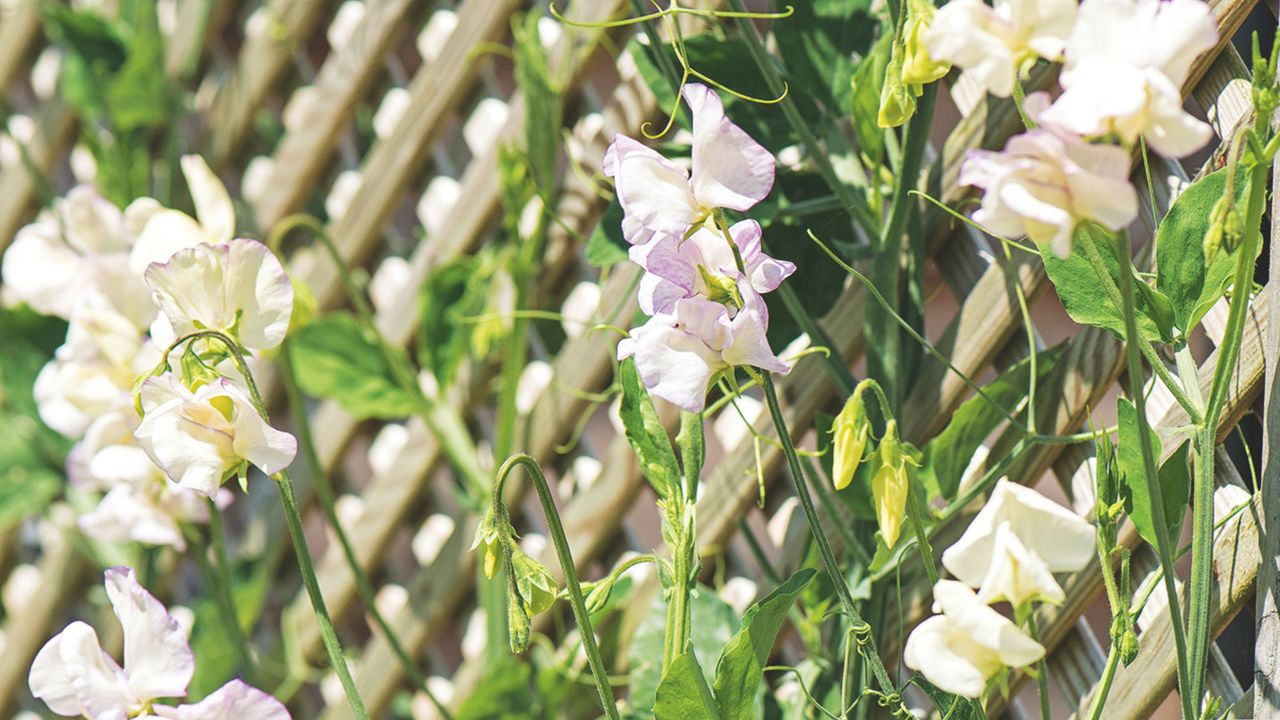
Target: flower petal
730,170
233,701
157,659
73,676
213,205
257,287
166,232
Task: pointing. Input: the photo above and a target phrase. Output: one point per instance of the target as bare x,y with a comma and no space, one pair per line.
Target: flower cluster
1123,62
890,478
129,284
75,677
1009,553
704,279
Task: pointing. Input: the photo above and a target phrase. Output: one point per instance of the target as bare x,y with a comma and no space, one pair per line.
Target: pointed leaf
683,693
645,432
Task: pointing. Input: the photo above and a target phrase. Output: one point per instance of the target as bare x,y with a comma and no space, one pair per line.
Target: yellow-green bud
720,288
852,432
890,485
918,67
897,100
489,539
1224,228
517,625
537,586
1128,647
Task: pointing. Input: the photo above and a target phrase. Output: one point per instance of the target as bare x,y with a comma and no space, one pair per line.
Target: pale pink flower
1044,183
729,170
677,269
679,351
75,677
1125,63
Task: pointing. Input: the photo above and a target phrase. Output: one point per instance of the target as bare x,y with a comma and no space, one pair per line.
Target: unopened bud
489,538
517,625
890,485
1128,647
851,430
535,583
918,68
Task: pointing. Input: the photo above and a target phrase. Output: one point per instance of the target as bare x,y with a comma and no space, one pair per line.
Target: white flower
1044,183
994,43
1017,575
1058,537
199,438
75,677
237,288
92,373
1125,63
150,514
967,644
168,231
81,245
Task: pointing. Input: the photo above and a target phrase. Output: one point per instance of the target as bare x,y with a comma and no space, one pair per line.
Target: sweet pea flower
1059,538
967,644
168,231
200,438
1017,575
729,170
995,44
704,265
92,373
1044,183
679,351
82,244
75,677
238,288
1125,63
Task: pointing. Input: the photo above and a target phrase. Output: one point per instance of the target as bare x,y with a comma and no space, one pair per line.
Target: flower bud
897,101
535,583
517,624
598,594
890,485
851,430
1128,647
1224,228
489,538
918,67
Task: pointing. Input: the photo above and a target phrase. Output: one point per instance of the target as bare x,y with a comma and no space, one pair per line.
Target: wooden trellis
254,61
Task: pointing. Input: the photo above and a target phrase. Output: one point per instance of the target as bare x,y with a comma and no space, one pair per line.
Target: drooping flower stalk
567,567
293,519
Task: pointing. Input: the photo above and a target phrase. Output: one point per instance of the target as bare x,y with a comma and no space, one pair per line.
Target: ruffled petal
233,701
157,659
74,677
213,205
259,290
730,170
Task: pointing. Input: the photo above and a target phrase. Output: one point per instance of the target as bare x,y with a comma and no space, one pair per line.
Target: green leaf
1174,476
542,100
818,42
714,623
451,296
31,455
334,359
948,454
1191,284
740,672
866,84
1086,295
606,246
506,693
683,693
645,432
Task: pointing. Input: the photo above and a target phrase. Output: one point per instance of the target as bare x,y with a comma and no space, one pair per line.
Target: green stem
567,566
1154,490
1042,669
866,644
218,576
1104,685
916,513
324,491
293,519
1019,98
1200,588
